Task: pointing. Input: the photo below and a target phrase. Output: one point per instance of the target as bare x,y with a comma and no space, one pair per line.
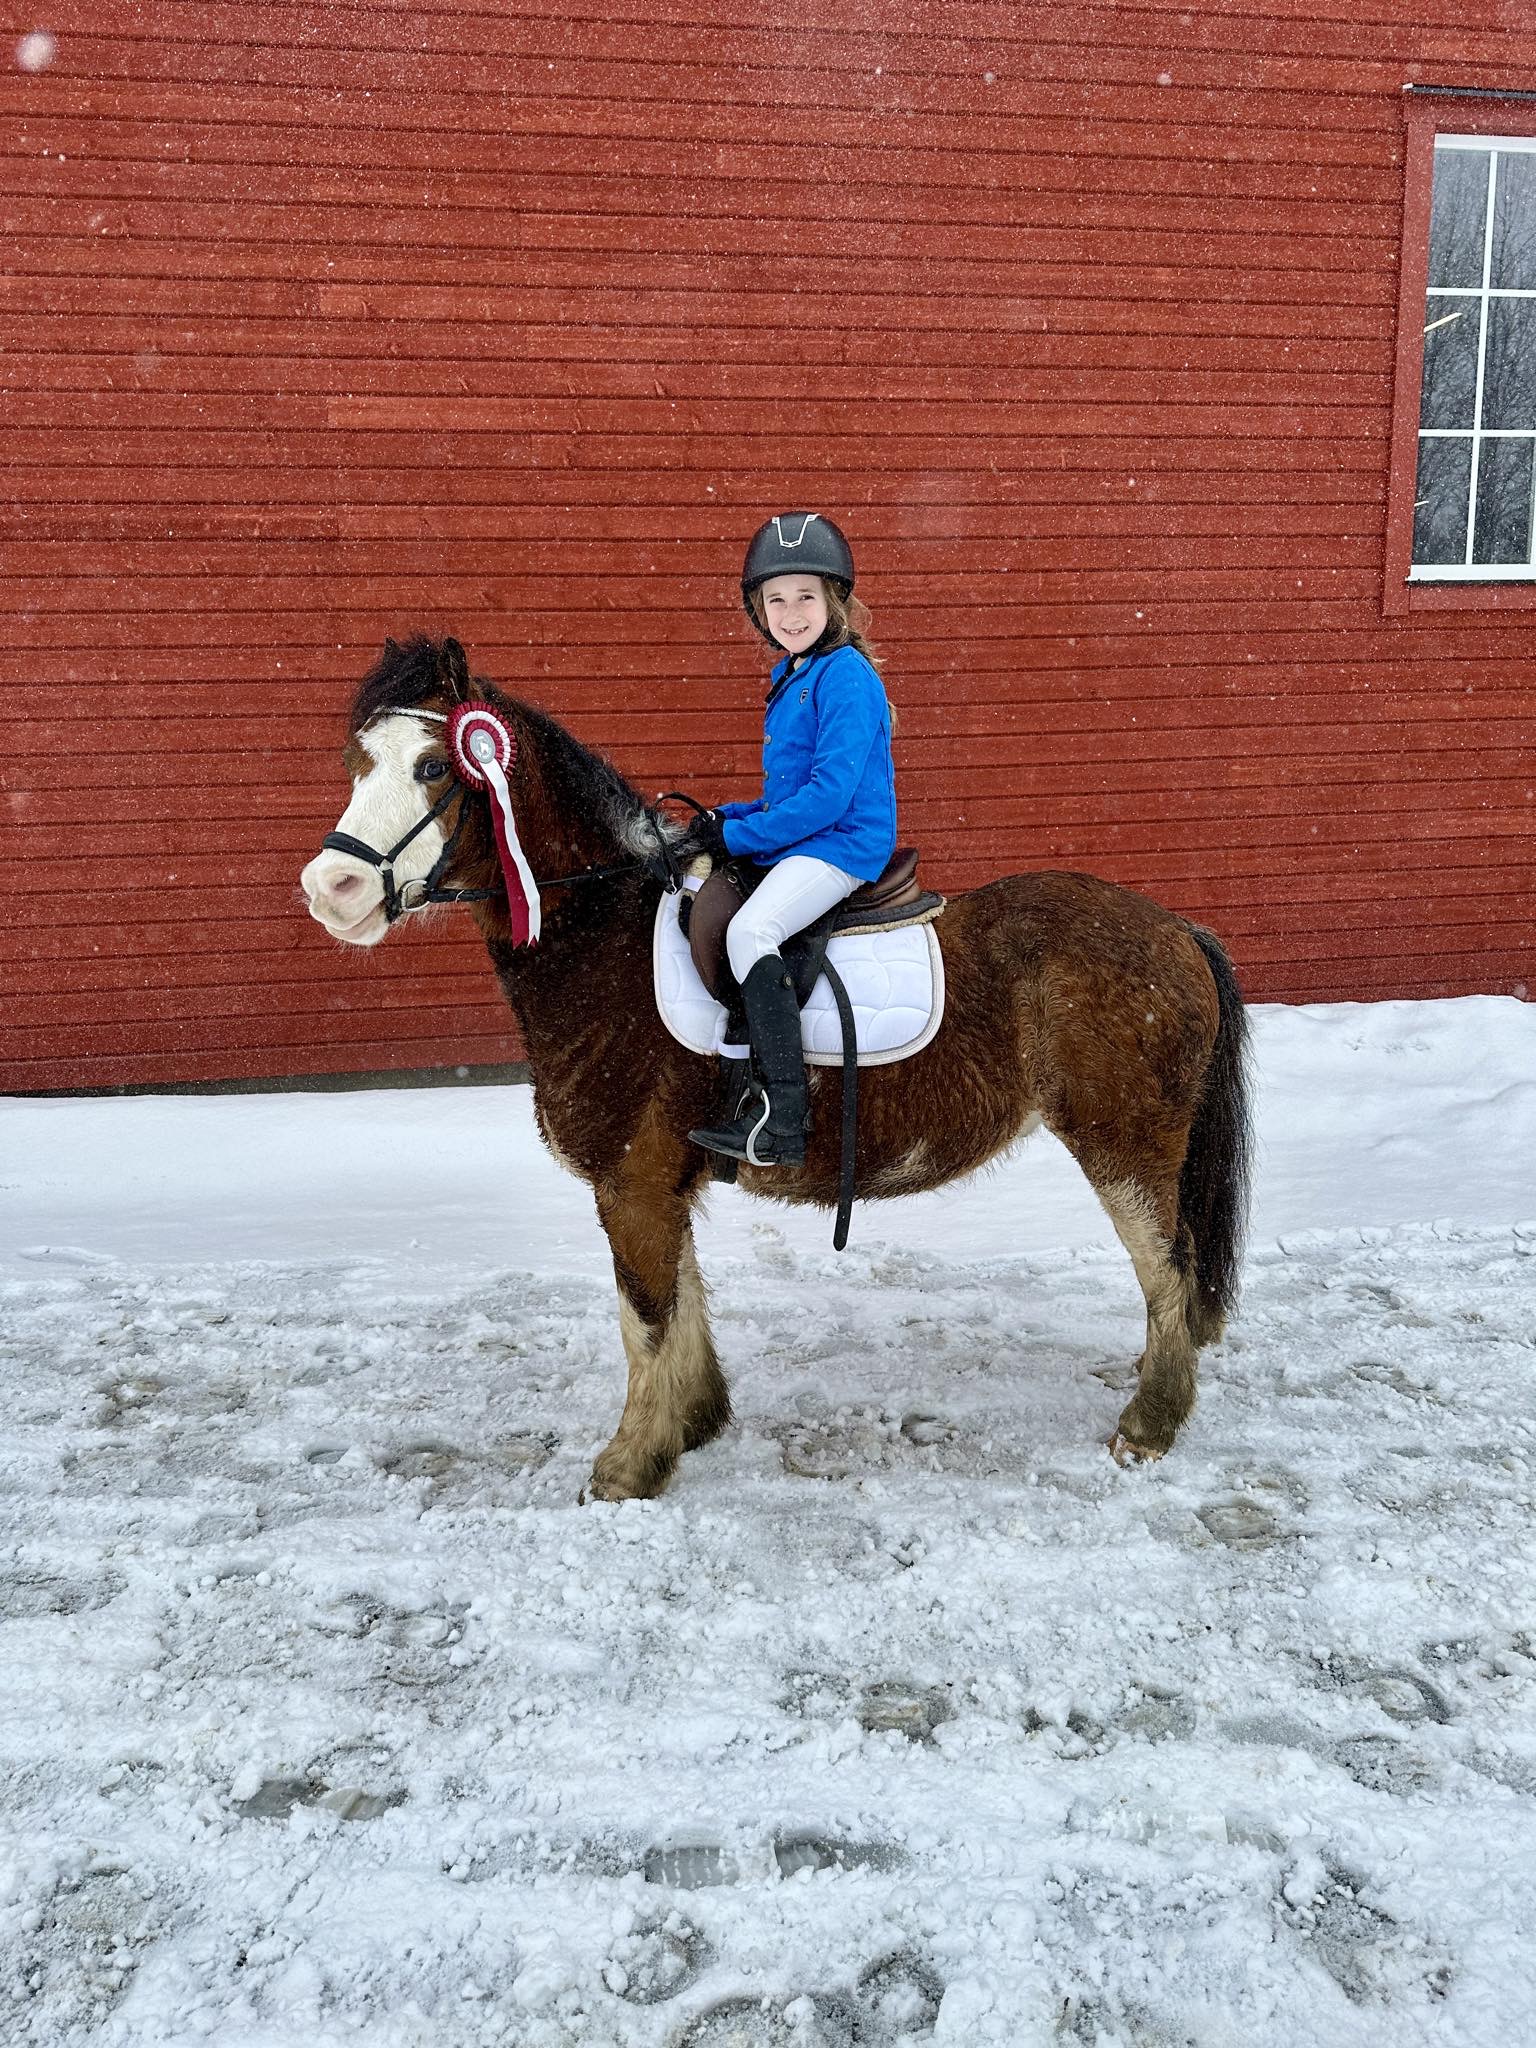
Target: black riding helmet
791,541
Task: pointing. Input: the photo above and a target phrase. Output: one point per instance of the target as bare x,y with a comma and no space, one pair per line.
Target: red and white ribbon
483,750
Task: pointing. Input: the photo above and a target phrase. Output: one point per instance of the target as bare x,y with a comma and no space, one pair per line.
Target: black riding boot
770,1130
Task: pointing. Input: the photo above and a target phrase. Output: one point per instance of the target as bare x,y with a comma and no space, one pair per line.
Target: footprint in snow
794,1853
1091,2022
1270,1731
1241,1523
1400,1694
806,2020
656,1960
406,1647
426,1460
1151,1716
1371,1957
896,1706
836,1450
1515,1772
126,1399
1378,1372
843,1445
1157,1717
1403,1696
1384,1297
1383,1764
359,1615
131,1778
81,1956
508,1457
1453,1650
927,1430
699,1866
276,1798
692,1866
900,1996
224,1525
1511,1656
167,1473
30,1594
817,1695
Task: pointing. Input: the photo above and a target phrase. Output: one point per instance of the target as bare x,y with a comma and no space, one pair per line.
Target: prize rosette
483,750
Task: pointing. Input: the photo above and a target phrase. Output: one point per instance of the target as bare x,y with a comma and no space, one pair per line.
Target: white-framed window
1474,512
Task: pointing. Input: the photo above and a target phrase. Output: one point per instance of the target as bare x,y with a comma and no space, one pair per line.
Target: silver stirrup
752,1158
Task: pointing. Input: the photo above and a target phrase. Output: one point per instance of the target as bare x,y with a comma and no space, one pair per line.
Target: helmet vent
799,539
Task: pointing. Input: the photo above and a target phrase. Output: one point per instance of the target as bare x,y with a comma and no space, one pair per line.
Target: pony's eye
433,769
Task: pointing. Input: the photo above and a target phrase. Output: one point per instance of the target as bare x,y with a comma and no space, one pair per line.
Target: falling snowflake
37,51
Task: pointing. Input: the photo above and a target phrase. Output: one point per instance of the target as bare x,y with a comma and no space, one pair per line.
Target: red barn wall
322,322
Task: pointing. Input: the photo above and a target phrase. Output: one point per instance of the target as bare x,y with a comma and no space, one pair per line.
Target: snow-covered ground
327,1715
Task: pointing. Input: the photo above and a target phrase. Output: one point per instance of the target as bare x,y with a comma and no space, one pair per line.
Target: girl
826,820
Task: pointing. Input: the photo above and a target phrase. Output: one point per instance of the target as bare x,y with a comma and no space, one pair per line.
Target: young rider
826,820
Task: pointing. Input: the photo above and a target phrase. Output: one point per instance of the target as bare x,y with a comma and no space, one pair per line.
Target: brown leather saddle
894,898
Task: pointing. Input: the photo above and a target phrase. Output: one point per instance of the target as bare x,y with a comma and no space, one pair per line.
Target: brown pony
1069,1002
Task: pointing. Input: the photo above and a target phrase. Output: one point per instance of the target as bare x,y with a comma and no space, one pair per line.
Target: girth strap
850,1135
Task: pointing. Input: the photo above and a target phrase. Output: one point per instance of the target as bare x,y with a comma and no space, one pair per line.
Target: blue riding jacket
829,787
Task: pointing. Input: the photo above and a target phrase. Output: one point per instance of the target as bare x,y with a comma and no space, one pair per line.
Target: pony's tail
1214,1181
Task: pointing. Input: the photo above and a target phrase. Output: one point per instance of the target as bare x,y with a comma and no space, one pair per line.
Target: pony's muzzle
347,897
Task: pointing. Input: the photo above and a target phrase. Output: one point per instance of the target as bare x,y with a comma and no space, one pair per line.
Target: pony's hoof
1126,1453
627,1479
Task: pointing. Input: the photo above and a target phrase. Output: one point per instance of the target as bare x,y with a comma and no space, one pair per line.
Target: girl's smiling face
795,610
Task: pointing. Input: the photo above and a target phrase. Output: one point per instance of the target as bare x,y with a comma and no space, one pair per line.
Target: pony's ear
454,670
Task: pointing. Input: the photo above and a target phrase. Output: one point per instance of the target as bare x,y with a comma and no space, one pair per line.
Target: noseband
418,894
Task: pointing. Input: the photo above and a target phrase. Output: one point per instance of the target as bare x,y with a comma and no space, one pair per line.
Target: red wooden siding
322,322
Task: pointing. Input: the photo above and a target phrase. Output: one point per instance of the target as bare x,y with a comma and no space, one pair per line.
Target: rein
671,880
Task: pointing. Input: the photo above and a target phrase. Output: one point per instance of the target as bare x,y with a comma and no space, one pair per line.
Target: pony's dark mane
585,781
408,673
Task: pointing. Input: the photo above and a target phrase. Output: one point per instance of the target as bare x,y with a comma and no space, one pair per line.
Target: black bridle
416,895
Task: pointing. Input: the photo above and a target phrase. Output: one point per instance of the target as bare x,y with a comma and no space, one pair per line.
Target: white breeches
794,893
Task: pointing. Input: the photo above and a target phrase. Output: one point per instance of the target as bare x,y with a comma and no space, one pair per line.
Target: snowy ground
327,1715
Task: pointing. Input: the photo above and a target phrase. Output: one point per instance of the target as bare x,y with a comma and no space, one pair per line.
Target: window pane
1503,532
1449,396
1509,372
1514,221
1458,216
1440,510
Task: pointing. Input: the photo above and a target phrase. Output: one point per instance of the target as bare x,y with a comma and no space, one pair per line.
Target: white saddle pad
895,982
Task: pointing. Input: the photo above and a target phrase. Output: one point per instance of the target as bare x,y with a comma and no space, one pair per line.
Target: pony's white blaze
345,894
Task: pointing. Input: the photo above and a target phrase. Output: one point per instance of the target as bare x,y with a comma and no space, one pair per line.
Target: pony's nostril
345,884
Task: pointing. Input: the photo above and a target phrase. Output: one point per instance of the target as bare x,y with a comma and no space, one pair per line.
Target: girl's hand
705,835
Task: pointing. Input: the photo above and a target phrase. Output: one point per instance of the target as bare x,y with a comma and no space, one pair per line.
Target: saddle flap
710,909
